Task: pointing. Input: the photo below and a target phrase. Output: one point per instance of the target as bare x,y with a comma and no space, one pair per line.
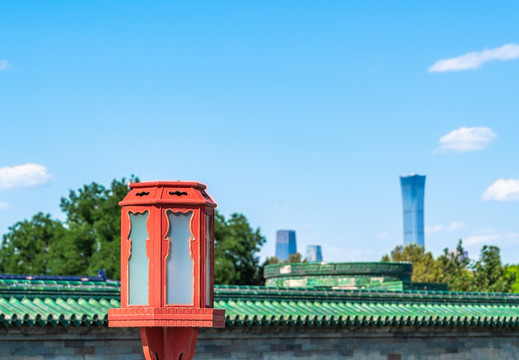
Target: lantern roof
176,193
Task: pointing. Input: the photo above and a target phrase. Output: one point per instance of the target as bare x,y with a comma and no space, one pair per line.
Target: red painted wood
168,330
170,316
160,343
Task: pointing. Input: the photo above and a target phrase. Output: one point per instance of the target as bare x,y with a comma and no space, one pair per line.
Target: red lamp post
167,261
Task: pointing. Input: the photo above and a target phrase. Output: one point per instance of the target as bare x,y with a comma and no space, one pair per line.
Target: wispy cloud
504,239
476,59
25,175
503,190
455,225
3,205
491,236
382,235
487,239
434,229
4,65
466,139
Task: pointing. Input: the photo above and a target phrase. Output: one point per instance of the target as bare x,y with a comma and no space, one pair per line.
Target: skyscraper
314,253
413,189
285,244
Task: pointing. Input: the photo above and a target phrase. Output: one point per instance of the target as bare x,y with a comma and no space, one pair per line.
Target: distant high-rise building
314,253
413,189
285,244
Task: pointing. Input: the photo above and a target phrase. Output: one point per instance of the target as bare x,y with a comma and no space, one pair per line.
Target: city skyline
299,116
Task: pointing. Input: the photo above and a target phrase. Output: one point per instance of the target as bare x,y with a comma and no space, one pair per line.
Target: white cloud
4,205
455,225
476,59
4,65
382,235
503,190
491,236
481,239
466,139
23,176
506,240
433,229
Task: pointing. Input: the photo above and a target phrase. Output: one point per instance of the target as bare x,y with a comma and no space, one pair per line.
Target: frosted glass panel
179,264
208,241
138,262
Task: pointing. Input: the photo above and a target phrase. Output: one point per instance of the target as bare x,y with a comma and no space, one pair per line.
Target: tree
511,274
425,267
489,273
296,258
456,267
460,273
271,260
236,245
87,241
29,245
94,228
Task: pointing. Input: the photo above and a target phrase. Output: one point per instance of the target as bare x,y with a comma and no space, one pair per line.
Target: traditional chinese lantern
167,261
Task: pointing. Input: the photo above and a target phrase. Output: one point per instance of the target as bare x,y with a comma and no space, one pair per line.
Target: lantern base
138,316
168,343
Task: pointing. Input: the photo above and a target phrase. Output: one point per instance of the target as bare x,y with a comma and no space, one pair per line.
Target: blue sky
301,115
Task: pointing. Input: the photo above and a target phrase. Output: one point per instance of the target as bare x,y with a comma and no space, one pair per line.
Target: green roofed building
53,318
347,276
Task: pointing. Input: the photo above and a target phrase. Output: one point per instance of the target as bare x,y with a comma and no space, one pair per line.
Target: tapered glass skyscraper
314,253
285,244
413,189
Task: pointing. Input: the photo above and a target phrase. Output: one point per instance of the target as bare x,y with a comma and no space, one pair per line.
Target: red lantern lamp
167,261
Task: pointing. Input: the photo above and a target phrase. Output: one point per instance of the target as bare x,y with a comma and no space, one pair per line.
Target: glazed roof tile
86,303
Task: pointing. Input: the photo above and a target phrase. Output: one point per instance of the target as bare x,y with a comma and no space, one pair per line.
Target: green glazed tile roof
295,307
56,302
85,303
400,270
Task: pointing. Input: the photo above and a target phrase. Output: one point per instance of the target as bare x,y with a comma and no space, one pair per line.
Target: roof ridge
371,295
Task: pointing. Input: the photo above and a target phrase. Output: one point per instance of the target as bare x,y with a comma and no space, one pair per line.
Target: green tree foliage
486,274
296,258
271,260
94,228
425,267
28,246
489,272
236,245
511,274
292,259
456,267
89,240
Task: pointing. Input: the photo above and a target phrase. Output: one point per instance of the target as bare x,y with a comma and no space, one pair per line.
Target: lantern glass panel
179,262
138,261
208,241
